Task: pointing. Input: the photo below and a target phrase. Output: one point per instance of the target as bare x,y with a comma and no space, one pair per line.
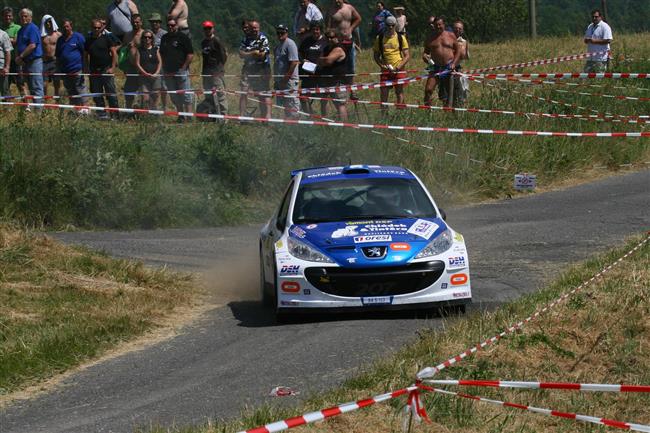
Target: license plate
377,300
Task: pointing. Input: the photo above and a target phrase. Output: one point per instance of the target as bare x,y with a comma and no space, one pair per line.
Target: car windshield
344,200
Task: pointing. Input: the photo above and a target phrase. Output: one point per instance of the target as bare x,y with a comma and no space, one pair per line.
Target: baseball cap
282,28
207,23
155,17
390,20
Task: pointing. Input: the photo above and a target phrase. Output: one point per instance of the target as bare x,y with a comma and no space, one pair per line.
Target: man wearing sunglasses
391,53
177,54
598,37
285,68
101,62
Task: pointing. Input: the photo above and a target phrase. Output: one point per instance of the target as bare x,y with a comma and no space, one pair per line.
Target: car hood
347,242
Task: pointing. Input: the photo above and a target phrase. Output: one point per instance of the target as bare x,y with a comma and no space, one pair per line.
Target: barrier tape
412,391
591,387
336,124
547,412
591,75
600,95
570,84
537,62
320,415
431,371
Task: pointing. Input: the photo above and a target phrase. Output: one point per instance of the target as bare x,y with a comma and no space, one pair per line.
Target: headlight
439,245
305,252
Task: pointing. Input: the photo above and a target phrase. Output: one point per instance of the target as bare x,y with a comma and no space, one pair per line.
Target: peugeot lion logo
374,252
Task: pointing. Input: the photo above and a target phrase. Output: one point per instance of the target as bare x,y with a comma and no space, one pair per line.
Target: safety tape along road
591,387
334,124
537,62
547,412
591,75
413,391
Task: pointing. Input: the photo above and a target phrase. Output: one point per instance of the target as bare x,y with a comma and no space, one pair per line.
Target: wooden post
532,14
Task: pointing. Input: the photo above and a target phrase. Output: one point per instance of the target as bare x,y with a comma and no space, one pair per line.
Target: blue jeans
178,80
35,78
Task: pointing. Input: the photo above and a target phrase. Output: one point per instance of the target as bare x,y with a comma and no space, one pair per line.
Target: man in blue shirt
29,54
69,56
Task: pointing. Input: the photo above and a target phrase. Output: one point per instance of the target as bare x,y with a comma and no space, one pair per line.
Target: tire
268,291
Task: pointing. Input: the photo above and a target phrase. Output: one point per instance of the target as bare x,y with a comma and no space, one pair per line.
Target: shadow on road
252,314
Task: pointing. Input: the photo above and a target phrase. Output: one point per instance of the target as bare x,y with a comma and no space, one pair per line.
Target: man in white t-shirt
597,37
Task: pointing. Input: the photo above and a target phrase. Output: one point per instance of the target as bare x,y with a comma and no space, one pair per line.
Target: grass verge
58,170
61,306
599,335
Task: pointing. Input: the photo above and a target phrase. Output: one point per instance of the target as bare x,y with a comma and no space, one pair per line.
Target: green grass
599,335
62,306
57,170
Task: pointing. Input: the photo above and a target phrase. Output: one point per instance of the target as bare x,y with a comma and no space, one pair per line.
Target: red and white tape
335,124
591,387
537,62
320,415
557,75
428,372
548,412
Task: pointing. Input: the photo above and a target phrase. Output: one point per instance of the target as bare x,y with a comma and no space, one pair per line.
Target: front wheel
268,292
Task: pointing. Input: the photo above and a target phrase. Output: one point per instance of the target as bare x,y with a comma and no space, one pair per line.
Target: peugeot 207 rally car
360,236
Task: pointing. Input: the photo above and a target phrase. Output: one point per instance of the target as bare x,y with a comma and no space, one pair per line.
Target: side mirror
443,214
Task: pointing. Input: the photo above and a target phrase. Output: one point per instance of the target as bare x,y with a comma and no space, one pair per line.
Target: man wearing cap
214,61
400,16
307,13
285,70
391,53
155,20
177,54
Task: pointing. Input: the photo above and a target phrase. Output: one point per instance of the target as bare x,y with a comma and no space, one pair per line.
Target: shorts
18,79
49,69
343,96
392,75
256,80
151,84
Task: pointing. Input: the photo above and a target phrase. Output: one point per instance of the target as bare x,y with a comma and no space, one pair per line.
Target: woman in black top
332,67
149,62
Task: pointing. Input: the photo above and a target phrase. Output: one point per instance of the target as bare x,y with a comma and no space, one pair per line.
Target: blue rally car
360,236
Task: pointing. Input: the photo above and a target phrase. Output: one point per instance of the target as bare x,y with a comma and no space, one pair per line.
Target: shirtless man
344,18
180,13
132,81
441,53
49,35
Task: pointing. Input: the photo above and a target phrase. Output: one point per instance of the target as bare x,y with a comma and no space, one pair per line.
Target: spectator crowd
319,49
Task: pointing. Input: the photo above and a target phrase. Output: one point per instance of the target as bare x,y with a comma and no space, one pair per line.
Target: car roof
357,171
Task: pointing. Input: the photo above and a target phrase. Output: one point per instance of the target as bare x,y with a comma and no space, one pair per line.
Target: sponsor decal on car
423,228
461,294
388,171
400,246
372,238
459,279
443,286
345,232
289,269
333,172
457,262
352,259
298,232
306,292
289,303
385,227
290,286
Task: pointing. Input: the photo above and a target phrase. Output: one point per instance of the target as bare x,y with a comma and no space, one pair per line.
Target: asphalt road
234,354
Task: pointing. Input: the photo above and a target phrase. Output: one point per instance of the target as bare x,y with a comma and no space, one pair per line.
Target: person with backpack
391,53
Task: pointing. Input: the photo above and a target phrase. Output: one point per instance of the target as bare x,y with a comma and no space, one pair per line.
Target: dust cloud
235,278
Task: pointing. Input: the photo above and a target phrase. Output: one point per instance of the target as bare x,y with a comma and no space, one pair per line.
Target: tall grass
57,170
